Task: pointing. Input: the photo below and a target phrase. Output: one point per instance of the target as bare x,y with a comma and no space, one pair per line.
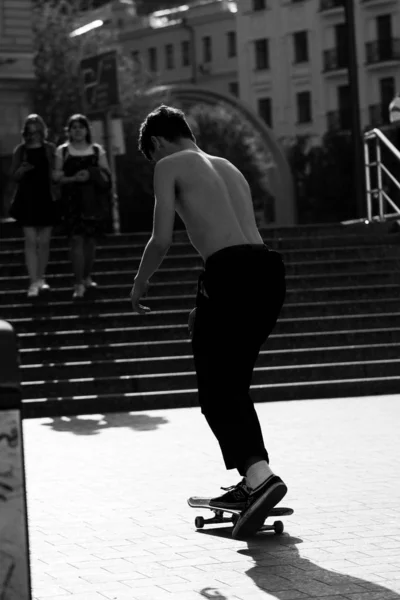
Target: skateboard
204,503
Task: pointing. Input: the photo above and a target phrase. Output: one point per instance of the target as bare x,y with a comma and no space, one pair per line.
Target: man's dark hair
167,122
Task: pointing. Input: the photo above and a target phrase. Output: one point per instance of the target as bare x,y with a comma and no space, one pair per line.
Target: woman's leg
31,258
78,258
89,250
43,251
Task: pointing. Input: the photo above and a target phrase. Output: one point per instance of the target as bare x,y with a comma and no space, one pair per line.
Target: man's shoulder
169,163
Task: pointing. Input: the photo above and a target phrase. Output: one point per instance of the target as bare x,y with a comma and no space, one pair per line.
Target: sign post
99,77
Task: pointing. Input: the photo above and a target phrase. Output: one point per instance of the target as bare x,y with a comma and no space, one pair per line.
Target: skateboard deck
204,504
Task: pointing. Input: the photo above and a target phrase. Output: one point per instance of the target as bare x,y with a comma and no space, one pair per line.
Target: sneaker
33,290
89,283
236,497
43,285
259,504
79,290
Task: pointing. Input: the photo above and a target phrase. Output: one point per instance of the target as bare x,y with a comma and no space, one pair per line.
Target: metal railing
330,4
377,196
335,59
386,49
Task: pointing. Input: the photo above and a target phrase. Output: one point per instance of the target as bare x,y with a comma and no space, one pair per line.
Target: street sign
100,82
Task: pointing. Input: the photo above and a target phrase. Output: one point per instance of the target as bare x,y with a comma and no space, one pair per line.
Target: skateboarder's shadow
92,425
279,566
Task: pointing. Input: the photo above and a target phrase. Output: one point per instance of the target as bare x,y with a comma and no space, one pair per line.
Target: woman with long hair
33,205
82,169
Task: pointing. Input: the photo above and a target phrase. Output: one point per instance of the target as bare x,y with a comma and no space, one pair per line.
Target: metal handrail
379,192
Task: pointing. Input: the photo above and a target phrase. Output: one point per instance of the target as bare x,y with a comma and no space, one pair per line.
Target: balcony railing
382,50
378,114
330,4
339,120
335,59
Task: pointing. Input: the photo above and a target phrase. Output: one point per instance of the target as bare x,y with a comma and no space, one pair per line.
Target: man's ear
155,141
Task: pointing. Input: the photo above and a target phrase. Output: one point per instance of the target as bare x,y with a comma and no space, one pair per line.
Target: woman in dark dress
34,206
82,169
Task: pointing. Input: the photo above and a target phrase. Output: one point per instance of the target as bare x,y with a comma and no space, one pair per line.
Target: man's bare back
214,201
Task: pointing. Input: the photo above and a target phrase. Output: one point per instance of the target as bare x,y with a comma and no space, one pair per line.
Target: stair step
106,257
338,333
186,380
150,324
67,349
273,239
62,316
161,285
138,401
55,369
60,273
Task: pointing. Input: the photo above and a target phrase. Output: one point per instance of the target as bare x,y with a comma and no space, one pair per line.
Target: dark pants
239,297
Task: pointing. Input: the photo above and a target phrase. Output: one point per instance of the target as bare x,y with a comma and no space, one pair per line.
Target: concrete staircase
338,334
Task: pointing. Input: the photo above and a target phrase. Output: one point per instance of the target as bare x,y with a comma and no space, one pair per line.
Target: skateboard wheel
199,522
278,527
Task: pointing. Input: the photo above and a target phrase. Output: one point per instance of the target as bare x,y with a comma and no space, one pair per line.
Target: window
387,86
207,50
231,37
153,59
185,50
262,54
234,88
341,45
265,110
304,107
300,41
136,60
259,4
169,56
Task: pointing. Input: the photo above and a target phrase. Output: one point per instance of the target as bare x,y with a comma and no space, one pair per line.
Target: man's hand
139,289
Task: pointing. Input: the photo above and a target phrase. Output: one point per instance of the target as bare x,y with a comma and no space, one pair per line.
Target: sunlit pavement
109,518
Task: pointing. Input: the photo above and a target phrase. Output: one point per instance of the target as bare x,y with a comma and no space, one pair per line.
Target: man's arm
163,221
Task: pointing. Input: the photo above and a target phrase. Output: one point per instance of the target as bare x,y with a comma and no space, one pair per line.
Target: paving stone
92,539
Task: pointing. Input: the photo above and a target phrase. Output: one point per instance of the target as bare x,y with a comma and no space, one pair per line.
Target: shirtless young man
240,294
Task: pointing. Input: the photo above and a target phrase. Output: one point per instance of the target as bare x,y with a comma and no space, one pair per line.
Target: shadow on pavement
279,557
212,594
279,567
93,424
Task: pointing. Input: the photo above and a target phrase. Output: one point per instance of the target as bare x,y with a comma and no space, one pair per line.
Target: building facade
193,43
293,62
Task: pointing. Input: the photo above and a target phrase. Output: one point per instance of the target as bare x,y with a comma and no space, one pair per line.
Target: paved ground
109,519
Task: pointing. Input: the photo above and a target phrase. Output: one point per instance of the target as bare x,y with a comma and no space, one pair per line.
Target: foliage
57,92
56,59
219,130
324,178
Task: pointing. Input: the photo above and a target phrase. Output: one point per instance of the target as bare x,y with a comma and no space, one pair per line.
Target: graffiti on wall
14,559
